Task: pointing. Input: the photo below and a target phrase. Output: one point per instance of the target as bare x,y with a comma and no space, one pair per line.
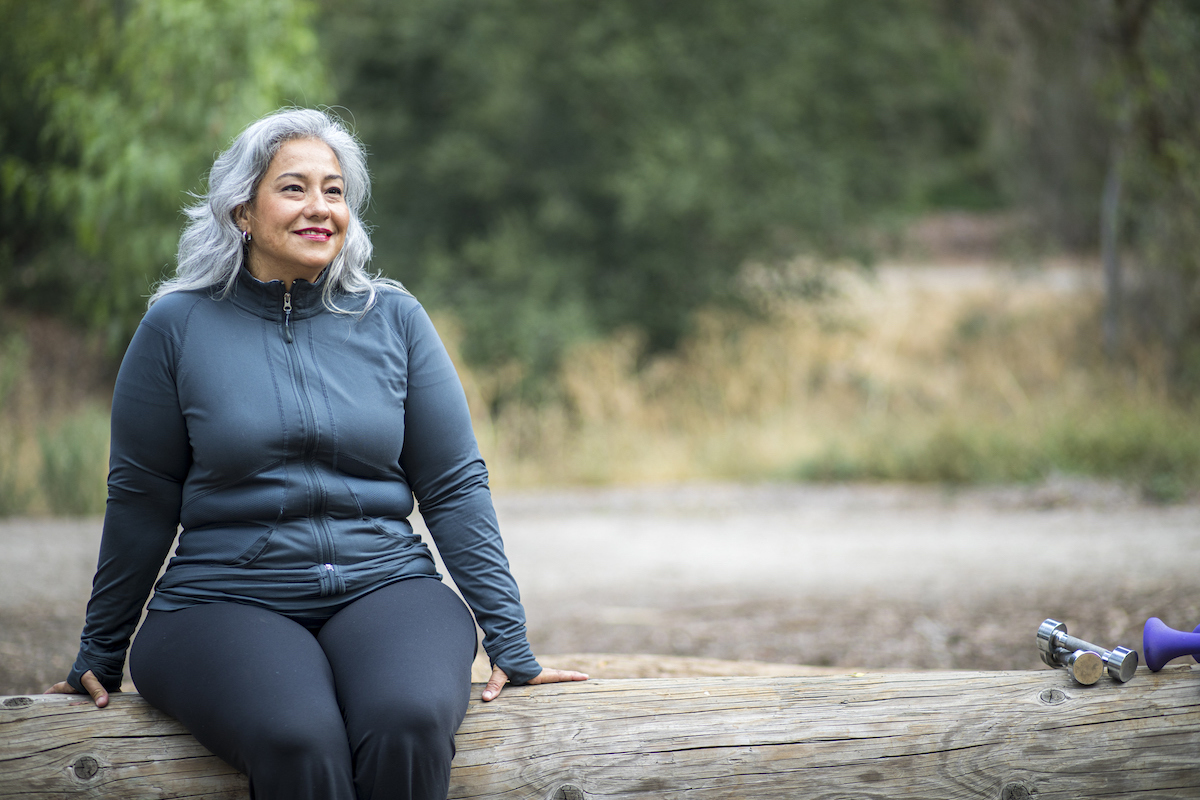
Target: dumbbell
1120,662
1085,666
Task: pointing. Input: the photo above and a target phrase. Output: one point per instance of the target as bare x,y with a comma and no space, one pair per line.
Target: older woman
285,407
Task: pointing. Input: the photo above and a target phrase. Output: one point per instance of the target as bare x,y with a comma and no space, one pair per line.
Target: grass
956,375
74,462
950,375
1157,449
53,427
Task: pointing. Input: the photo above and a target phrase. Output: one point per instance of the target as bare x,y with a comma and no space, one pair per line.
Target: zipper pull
287,317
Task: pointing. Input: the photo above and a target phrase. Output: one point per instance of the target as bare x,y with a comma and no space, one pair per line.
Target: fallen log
1005,735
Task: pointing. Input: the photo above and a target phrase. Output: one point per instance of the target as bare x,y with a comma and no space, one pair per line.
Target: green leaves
113,112
607,164
547,170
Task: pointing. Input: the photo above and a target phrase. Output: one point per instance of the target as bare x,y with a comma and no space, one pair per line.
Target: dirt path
885,577
849,576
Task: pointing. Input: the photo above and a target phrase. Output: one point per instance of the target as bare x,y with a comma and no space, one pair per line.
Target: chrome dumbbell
1085,666
1120,662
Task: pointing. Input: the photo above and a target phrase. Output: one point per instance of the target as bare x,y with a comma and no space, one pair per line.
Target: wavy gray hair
211,250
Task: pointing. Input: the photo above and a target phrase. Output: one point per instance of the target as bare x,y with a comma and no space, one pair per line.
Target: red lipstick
315,234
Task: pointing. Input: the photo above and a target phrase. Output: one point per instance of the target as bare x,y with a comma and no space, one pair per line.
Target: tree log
999,735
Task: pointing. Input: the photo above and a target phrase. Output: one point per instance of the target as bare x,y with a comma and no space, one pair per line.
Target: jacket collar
266,299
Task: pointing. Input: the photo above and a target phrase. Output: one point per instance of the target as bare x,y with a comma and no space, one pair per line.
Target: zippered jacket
289,442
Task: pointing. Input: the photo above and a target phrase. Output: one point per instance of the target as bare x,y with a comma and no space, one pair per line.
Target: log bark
1005,735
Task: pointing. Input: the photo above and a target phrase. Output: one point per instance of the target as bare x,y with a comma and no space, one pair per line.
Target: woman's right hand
90,682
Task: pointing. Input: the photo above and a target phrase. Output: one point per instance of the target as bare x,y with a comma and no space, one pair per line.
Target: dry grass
55,386
958,373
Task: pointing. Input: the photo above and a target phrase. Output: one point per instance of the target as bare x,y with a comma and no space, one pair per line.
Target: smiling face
298,218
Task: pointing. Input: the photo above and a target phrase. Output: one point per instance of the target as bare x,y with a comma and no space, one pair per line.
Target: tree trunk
900,735
1110,221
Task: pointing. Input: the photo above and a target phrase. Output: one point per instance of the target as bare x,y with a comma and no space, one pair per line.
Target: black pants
365,708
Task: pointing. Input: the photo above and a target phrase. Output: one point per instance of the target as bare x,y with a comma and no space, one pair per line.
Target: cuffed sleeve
148,462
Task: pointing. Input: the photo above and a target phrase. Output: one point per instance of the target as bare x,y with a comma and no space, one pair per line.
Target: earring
246,237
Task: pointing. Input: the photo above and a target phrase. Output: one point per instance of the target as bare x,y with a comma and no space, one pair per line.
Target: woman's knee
296,762
403,748
296,744
411,721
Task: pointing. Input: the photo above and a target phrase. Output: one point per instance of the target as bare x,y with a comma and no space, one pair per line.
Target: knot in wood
1016,791
85,767
17,702
568,791
1053,697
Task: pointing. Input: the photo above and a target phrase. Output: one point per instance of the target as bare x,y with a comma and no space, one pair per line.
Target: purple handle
1160,643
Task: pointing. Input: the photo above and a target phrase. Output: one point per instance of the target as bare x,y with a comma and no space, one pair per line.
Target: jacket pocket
254,550
231,545
398,531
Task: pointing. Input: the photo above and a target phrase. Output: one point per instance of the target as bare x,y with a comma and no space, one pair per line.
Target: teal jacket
289,442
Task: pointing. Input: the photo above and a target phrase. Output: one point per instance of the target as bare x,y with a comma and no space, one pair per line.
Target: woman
284,407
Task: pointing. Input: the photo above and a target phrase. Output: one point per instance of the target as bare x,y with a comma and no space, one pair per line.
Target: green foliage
1160,452
1043,67
551,170
14,360
1154,448
1084,91
75,463
950,453
1163,173
109,113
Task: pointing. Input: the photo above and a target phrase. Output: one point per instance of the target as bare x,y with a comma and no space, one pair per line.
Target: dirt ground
699,576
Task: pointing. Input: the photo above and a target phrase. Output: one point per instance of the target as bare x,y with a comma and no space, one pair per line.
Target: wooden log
998,735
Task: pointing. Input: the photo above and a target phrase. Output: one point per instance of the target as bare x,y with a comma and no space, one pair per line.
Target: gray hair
211,249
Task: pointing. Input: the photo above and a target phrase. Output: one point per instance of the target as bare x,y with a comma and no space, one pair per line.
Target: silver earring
246,237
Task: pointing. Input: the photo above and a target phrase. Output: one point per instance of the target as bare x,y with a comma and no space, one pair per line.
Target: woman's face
298,218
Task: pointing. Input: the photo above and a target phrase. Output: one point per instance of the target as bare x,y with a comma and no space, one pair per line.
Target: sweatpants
366,707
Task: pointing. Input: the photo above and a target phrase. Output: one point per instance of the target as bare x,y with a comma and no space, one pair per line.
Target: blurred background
785,240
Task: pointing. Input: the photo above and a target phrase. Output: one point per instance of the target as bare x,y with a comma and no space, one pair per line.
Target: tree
551,170
1163,174
1099,132
109,113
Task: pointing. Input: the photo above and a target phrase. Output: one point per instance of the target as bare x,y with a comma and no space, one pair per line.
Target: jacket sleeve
450,482
148,462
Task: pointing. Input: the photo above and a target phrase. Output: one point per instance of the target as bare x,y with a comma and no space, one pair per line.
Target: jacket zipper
287,317
331,581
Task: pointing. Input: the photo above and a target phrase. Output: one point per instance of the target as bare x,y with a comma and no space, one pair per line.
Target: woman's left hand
500,677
